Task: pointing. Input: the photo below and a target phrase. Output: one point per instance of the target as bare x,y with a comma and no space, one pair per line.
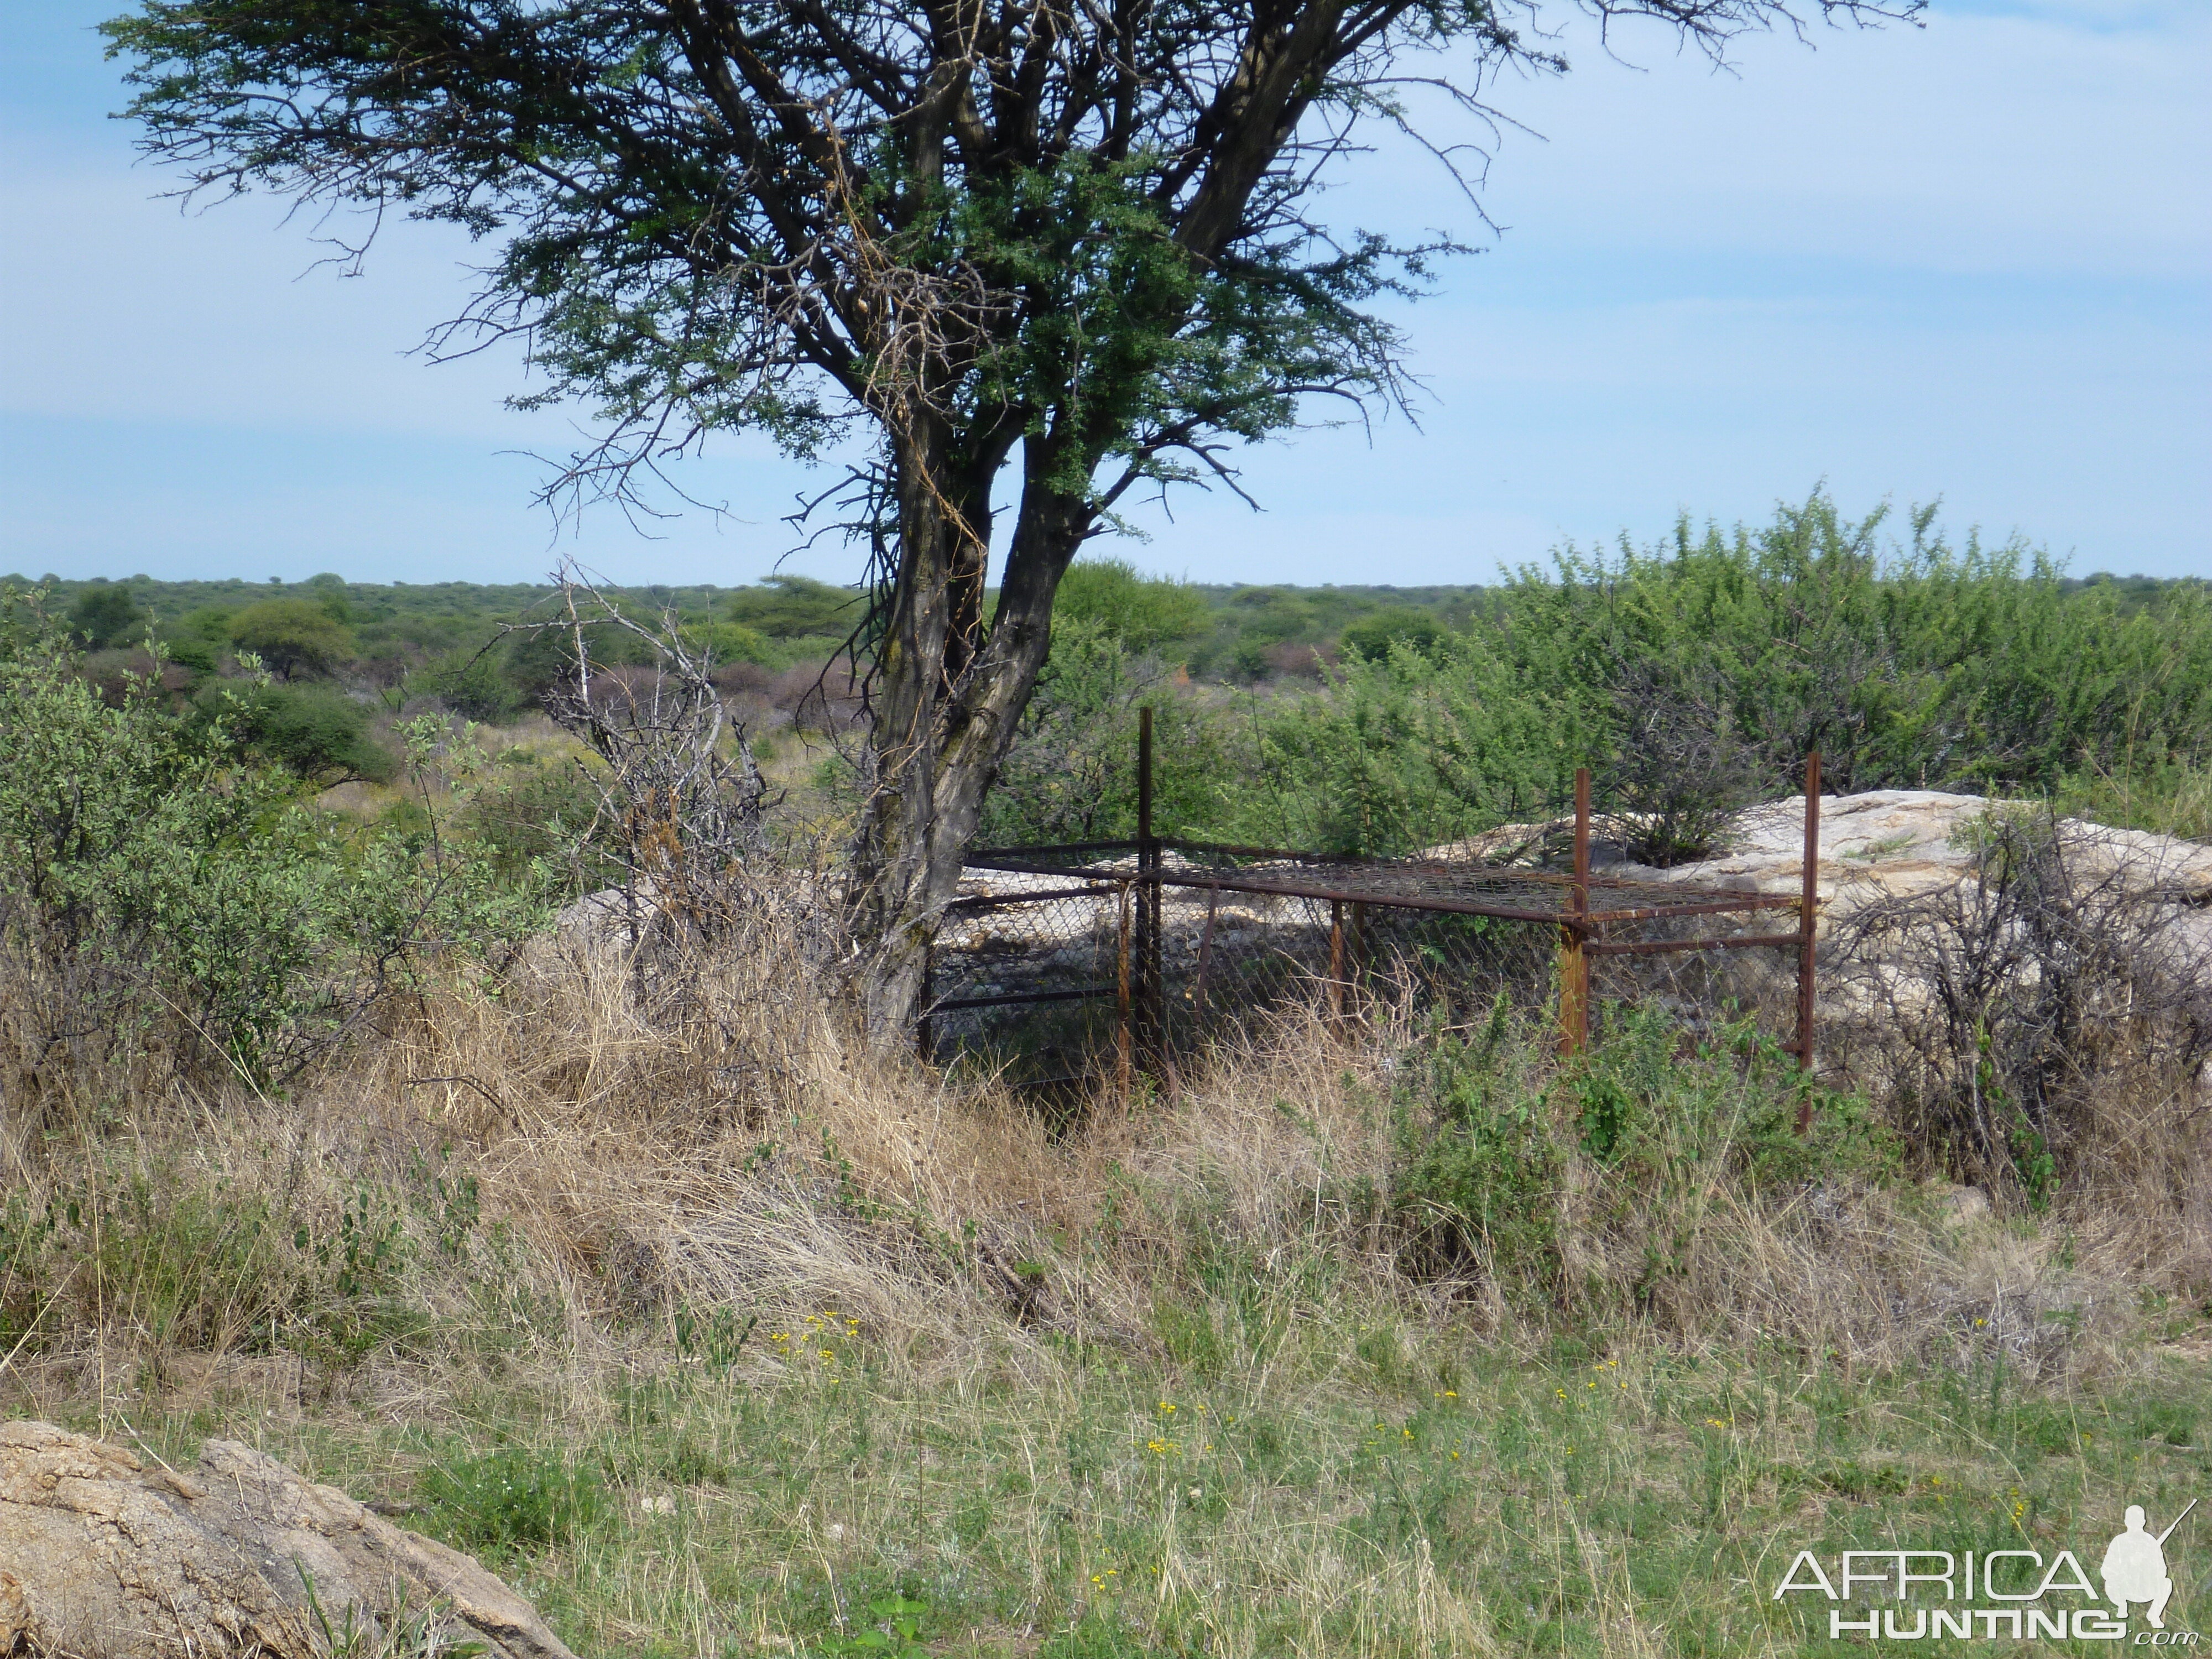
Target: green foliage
293,637
106,614
187,895
536,820
317,731
1651,1127
514,1497
1374,635
730,641
1142,613
1414,747
796,607
1480,1162
472,683
188,1264
1693,677
1922,667
2169,797
896,1634
1072,773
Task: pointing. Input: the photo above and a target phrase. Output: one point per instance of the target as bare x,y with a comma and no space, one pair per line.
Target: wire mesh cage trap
1075,962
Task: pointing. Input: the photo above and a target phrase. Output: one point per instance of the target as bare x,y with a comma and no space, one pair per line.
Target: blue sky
1971,260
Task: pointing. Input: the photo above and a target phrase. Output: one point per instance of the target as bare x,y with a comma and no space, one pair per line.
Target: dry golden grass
583,1205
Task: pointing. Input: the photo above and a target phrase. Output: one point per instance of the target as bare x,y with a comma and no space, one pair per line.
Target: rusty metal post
1144,776
1356,958
1808,904
1574,961
1125,1037
1336,959
1151,992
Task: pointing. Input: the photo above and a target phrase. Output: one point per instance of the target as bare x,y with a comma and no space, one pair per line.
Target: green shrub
1374,635
1071,773
796,607
106,614
474,685
534,820
729,642
292,636
1480,1164
1694,675
162,894
1412,748
1503,1155
1143,613
315,731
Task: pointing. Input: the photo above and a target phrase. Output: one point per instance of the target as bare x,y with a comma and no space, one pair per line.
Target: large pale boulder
1896,844
104,1558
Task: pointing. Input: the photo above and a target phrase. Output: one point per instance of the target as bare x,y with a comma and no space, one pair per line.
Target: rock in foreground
102,1558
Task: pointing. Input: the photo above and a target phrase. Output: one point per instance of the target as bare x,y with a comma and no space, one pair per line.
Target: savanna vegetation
722,1328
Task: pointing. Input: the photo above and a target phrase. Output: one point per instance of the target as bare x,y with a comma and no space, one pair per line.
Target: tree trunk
949,695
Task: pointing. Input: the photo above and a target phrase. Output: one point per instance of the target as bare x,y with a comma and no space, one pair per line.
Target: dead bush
2043,1027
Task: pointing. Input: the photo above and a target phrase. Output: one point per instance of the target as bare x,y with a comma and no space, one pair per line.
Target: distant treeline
1693,674
1242,632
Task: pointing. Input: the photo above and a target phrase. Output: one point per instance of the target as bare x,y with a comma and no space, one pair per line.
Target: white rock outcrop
103,1557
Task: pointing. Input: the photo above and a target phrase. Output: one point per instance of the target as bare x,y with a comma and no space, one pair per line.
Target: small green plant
515,1497
405,1632
1479,1179
716,1339
897,1635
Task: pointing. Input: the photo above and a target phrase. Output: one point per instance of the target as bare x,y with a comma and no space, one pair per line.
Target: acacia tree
1082,237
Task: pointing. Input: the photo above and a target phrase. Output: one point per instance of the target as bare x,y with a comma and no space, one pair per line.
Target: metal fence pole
1356,957
1336,959
1574,961
1151,992
1126,1036
1808,912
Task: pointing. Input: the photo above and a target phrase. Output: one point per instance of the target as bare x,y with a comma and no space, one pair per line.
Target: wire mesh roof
1465,886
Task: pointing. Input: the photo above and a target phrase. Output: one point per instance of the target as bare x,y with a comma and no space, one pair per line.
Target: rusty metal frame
1577,904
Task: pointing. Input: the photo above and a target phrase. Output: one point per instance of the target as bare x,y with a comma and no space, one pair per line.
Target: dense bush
293,637
1373,635
472,684
1588,1186
1691,678
1919,667
163,897
106,614
316,732
1072,774
1143,613
796,607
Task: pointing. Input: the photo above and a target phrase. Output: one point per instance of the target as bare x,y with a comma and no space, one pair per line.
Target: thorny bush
168,901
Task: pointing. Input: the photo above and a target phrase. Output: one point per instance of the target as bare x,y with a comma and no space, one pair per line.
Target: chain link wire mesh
1056,981
1048,987
1066,965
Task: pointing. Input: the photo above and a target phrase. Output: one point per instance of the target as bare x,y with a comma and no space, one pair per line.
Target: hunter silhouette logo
2135,1567
2023,1596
